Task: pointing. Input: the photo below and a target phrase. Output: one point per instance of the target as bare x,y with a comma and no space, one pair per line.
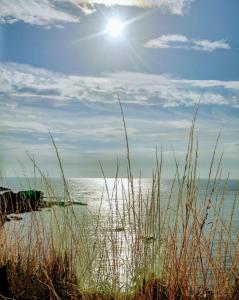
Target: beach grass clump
136,245
51,279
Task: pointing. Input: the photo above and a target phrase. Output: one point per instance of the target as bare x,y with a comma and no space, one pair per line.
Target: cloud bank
46,12
178,41
33,12
26,83
83,115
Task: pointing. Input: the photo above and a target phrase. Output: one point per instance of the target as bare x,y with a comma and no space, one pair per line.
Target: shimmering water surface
107,205
95,192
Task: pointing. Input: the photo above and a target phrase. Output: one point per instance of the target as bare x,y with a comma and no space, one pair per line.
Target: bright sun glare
115,27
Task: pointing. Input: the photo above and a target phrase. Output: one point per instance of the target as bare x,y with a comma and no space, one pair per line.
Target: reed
136,246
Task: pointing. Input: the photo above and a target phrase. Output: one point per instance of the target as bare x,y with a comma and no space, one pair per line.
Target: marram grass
145,249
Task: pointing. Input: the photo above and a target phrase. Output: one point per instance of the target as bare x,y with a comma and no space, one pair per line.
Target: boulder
21,202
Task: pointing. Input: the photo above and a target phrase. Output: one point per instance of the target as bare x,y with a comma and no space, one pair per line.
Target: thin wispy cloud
41,100
167,41
83,114
177,7
26,83
35,12
46,12
210,46
178,41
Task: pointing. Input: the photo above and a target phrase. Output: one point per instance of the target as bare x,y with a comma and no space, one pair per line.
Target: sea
94,193
100,200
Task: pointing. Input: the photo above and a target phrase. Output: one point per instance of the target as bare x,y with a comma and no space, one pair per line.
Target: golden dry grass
145,249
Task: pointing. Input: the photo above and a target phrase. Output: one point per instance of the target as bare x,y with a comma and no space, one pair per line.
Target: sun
115,27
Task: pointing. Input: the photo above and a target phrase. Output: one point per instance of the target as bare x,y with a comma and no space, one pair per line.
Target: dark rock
21,202
4,189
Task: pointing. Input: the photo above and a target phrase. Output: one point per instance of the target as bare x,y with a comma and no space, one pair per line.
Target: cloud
33,85
210,46
47,12
177,41
84,116
167,41
177,7
33,12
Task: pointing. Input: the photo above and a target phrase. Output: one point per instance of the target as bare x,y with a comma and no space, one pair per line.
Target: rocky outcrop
21,202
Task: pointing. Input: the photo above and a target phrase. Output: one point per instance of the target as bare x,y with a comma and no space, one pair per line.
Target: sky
61,71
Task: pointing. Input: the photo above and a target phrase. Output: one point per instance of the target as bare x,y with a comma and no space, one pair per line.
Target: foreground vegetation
146,247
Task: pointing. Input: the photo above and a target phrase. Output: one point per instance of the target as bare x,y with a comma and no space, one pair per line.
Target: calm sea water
95,192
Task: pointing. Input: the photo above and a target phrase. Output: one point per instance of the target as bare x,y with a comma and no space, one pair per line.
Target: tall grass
137,245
